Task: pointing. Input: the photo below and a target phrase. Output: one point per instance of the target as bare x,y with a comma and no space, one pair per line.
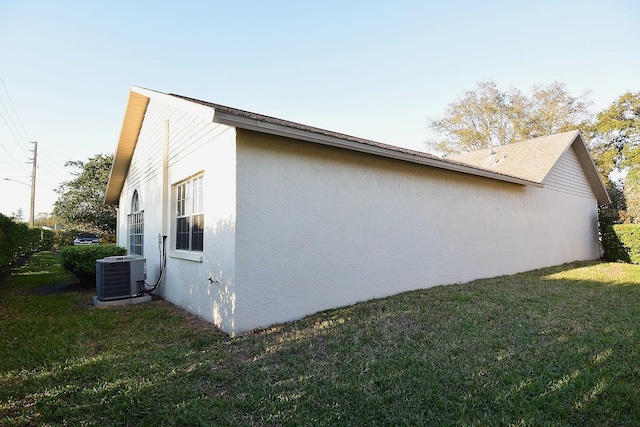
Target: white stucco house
265,220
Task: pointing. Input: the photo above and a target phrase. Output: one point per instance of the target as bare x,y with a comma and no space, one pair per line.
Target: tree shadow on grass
65,287
552,346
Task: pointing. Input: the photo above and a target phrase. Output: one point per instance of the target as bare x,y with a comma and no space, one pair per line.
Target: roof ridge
525,141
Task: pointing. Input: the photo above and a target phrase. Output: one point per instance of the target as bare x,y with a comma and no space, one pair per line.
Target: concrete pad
124,301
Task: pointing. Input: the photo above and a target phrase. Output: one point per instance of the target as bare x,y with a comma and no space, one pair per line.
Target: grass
557,346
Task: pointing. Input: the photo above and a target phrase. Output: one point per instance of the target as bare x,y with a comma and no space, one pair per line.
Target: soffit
134,115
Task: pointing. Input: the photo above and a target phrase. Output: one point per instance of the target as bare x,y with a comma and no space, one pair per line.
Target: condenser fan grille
119,277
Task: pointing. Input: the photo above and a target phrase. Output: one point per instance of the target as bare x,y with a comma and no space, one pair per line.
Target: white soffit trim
134,115
275,129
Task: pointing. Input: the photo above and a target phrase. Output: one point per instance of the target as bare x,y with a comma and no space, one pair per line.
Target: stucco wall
196,145
319,227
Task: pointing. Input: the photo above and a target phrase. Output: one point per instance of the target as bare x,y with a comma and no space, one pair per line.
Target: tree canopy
81,201
615,145
488,116
18,215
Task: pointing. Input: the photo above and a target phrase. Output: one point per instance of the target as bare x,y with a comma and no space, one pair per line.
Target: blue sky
371,69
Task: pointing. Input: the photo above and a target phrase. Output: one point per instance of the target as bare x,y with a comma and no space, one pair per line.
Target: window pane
197,195
180,200
187,198
136,232
135,206
182,233
197,233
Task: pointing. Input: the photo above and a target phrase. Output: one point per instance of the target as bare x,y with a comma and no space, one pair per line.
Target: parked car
86,239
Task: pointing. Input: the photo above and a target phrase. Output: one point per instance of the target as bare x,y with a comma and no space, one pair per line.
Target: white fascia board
275,129
591,170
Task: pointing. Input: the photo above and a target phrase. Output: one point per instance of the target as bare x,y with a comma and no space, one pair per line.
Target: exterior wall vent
119,277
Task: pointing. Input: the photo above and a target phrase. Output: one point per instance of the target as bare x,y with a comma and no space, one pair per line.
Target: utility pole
33,183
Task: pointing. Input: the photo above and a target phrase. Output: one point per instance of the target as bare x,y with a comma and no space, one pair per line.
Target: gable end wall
196,145
567,176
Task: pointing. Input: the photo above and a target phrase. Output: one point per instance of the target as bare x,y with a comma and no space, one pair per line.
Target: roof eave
131,125
280,130
598,187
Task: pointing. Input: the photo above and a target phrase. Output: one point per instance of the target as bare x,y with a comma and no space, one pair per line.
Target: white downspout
117,225
164,207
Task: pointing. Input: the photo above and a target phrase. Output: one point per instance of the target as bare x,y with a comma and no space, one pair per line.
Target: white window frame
188,218
135,227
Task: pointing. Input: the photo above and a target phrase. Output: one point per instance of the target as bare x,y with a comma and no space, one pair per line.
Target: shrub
34,236
81,260
17,240
621,242
46,240
63,238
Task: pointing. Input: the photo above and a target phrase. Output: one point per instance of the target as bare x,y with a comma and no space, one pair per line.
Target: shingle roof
302,127
533,159
427,158
525,163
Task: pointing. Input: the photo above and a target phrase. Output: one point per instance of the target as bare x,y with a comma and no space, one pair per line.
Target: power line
45,161
9,127
15,112
13,158
21,131
11,130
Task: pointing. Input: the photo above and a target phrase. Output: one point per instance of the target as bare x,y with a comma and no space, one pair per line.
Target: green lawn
558,346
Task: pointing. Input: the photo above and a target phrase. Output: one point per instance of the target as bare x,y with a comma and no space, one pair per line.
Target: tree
81,201
615,145
43,219
632,195
18,215
488,116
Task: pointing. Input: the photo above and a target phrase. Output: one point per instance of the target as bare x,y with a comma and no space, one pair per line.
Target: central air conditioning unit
119,277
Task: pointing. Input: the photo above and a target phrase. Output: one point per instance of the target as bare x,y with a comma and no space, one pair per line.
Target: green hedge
64,238
46,240
18,240
621,242
81,260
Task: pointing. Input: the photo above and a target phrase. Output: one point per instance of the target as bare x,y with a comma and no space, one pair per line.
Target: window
189,216
135,222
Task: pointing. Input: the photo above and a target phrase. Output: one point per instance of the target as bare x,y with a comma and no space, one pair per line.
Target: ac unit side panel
138,272
138,275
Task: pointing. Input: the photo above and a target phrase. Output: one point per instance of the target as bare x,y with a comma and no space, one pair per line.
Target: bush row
81,260
62,238
18,240
621,242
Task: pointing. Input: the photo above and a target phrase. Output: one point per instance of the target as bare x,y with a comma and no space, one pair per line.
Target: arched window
136,226
135,202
